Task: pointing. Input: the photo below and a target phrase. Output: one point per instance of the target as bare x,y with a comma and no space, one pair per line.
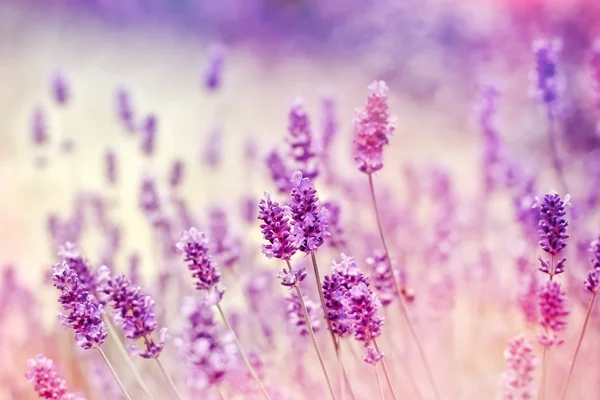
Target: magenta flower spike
553,231
373,128
518,379
546,82
47,382
381,274
553,313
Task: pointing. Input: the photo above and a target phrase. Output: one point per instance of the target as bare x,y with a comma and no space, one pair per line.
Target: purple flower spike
337,239
194,245
295,316
553,313
60,88
520,362
47,383
307,216
363,308
592,283
70,254
335,304
276,229
300,140
373,356
545,78
82,312
552,230
372,129
125,109
136,314
491,142
176,176
382,277
278,171
330,123
110,162
149,134
39,132
292,277
214,71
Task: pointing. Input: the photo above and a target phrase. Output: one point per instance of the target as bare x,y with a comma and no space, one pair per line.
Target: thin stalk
585,324
243,354
336,347
114,374
168,378
378,382
385,372
314,340
219,394
556,160
543,377
403,307
113,332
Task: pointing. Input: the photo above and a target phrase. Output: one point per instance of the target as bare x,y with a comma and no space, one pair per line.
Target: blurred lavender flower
149,200
335,304
71,255
553,312
592,282
300,141
135,313
278,171
381,274
224,246
337,238
372,129
110,162
329,124
176,176
545,78
520,364
283,240
527,290
295,316
363,304
60,88
125,109
194,245
213,75
149,128
47,383
306,216
491,142
292,277
82,311
212,148
39,133
552,230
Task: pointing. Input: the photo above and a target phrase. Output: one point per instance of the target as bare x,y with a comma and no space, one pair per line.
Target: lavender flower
592,283
295,316
372,129
306,215
60,88
283,240
300,141
278,171
213,76
39,133
225,247
149,200
553,313
382,277
71,255
546,84
149,134
176,176
292,277
136,314
194,245
491,141
552,230
363,309
330,123
212,148
337,238
520,363
82,311
110,162
47,383
125,109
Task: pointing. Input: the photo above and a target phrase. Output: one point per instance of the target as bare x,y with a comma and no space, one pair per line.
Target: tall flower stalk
372,129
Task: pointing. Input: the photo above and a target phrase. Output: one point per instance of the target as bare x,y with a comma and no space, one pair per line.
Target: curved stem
314,340
243,354
385,371
113,332
168,378
114,374
378,382
397,287
585,324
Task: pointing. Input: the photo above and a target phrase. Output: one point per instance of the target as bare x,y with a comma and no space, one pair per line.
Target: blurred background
434,55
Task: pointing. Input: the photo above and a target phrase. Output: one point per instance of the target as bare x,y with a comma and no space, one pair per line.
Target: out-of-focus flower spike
59,88
47,382
518,379
148,140
213,75
110,165
124,109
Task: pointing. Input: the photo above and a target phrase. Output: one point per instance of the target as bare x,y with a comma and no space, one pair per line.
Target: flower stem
543,377
403,307
378,382
243,354
585,324
112,331
314,340
114,374
336,347
168,378
385,371
556,160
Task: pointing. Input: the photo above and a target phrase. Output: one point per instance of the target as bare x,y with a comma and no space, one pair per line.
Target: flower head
307,216
149,128
592,283
382,277
70,254
553,312
47,383
552,230
364,311
300,141
295,316
176,176
278,171
213,75
372,129
276,229
194,245
125,109
546,84
60,88
292,277
39,131
110,166
520,363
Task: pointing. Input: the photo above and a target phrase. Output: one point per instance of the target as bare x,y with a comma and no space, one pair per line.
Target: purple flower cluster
194,245
47,383
149,200
520,364
337,238
60,88
364,311
592,282
207,351
110,166
552,302
82,312
278,171
284,239
70,254
545,75
307,216
491,141
300,141
552,230
176,176
372,129
39,132
224,246
149,128
381,274
125,109
213,76
295,316
136,314
292,277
